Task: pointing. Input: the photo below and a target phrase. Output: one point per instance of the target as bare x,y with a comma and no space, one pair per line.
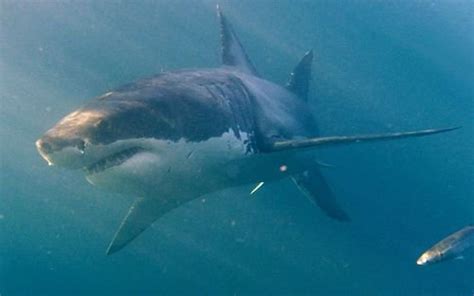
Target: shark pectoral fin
301,76
312,184
140,216
233,53
339,140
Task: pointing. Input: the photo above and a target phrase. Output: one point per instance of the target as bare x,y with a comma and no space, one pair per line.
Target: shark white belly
184,170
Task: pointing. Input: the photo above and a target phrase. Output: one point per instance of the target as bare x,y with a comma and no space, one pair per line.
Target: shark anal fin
233,53
301,76
140,216
339,140
313,185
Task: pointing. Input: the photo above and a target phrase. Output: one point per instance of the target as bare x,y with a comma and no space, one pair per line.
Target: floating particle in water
259,185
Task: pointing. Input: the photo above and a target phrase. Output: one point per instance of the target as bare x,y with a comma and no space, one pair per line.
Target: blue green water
378,67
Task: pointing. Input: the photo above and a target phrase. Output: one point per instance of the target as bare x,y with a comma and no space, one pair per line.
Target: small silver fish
449,248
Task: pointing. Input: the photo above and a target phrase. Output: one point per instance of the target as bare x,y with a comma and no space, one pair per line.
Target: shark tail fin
141,215
313,185
233,53
340,140
301,76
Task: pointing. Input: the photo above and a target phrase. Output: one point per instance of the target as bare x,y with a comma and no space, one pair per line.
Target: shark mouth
112,160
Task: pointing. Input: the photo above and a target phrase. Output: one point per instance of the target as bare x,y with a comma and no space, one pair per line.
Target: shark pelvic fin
141,215
301,76
323,164
339,140
313,185
233,54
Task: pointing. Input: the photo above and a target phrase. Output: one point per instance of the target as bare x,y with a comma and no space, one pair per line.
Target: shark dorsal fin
300,77
233,54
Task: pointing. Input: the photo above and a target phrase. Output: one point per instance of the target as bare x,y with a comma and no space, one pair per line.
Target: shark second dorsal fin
301,76
141,215
233,54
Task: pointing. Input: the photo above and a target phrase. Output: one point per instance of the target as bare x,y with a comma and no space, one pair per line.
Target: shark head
98,136
144,134
429,257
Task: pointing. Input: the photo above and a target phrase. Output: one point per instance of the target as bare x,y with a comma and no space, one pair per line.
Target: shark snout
43,146
44,149
62,152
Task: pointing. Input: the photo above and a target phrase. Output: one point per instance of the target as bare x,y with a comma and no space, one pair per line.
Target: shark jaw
112,160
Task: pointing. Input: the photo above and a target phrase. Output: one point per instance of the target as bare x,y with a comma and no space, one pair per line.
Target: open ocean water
379,66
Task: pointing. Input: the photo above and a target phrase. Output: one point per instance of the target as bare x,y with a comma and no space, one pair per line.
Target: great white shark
179,135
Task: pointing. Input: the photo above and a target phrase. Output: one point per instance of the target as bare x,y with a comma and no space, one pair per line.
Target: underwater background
379,66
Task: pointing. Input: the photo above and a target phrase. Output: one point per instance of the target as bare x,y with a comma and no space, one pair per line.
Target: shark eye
102,125
99,123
